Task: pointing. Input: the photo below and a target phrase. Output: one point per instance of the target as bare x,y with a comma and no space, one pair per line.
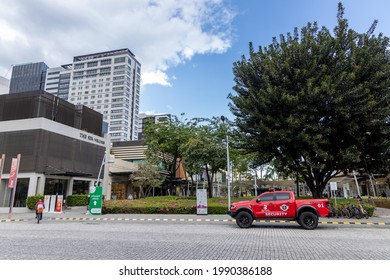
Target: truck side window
282,196
266,197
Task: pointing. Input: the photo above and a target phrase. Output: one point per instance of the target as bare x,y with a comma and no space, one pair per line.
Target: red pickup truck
280,205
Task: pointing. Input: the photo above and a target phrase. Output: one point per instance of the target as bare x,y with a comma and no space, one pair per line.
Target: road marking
192,220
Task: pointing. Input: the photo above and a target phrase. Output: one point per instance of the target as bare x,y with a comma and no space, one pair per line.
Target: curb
190,220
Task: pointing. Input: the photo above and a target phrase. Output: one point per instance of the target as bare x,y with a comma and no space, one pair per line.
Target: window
92,64
282,196
78,73
79,66
53,73
117,99
94,71
267,197
116,111
106,69
105,62
120,59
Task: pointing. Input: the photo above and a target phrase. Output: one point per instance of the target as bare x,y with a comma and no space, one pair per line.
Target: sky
186,47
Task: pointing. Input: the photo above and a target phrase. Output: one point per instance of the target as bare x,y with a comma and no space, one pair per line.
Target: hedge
77,200
382,202
32,200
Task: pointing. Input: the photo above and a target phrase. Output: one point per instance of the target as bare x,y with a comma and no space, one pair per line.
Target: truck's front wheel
244,220
308,220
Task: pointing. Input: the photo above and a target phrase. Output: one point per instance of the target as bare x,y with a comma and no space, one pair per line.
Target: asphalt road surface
189,239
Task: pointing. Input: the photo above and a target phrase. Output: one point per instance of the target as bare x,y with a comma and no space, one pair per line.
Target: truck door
284,205
264,205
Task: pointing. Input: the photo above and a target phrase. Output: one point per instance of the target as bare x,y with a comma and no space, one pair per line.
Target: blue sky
202,84
186,47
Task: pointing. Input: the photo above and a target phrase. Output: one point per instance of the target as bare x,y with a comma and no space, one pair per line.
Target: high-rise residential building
28,77
58,81
4,85
155,118
107,82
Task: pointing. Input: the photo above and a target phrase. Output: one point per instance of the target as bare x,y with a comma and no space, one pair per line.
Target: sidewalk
381,216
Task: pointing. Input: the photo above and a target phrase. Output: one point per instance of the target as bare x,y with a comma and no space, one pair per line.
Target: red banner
13,173
2,159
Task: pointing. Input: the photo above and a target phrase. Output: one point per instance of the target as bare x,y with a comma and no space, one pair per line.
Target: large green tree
165,142
206,148
316,103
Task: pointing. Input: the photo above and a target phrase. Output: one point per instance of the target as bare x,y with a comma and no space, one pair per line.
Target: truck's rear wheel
244,220
308,220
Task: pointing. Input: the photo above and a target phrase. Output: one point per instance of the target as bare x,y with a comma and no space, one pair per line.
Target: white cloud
161,33
156,77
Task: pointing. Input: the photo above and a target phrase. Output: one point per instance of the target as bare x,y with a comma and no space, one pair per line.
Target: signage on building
59,203
95,200
13,174
201,202
91,138
333,186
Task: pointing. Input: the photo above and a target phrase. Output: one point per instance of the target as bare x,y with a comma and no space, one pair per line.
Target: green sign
95,200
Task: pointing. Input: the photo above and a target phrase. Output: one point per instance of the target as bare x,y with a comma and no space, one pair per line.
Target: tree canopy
316,103
198,144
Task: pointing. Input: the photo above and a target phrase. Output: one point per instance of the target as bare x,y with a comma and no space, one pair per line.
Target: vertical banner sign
13,174
52,205
60,199
95,200
2,159
47,203
13,177
333,189
201,202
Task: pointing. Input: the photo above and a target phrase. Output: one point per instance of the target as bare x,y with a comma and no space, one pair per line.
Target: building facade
4,85
107,82
60,144
145,118
28,77
58,80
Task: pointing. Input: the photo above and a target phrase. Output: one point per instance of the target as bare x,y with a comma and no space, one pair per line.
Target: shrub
32,200
382,202
77,200
344,203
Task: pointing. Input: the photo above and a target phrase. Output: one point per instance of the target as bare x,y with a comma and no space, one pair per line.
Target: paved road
188,237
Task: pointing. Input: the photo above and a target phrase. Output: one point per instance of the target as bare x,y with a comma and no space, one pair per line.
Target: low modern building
61,146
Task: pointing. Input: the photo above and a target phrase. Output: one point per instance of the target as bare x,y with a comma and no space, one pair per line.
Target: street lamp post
228,163
255,182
